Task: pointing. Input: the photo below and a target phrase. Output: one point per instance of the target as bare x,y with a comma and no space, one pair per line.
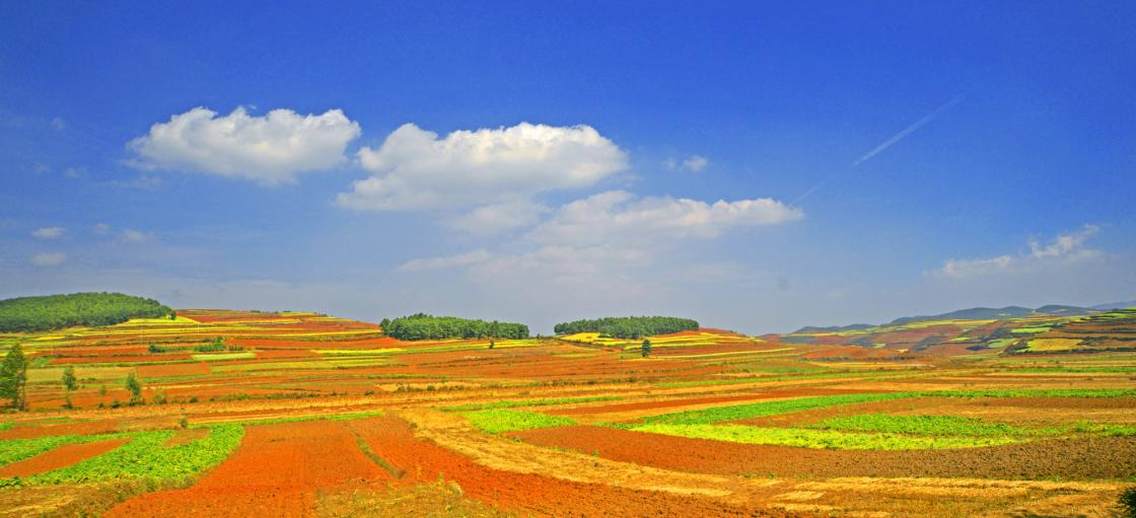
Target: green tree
14,378
645,349
135,388
70,382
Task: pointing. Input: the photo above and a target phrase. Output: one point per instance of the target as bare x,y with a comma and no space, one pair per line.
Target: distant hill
832,329
76,309
1116,305
970,314
1060,310
981,313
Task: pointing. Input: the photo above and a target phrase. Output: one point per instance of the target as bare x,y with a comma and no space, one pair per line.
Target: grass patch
940,425
502,420
765,408
818,439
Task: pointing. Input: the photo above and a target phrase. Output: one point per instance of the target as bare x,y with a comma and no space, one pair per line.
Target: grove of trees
421,326
49,312
627,327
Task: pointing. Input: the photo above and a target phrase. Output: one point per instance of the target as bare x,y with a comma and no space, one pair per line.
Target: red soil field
529,494
173,369
62,456
1086,458
277,471
87,428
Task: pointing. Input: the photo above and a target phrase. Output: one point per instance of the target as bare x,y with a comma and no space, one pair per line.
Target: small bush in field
1128,503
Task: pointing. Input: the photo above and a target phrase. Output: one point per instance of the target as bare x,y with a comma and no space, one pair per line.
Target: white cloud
269,149
415,169
695,163
690,164
1062,250
58,124
49,233
48,259
447,262
135,236
619,217
604,244
101,228
501,217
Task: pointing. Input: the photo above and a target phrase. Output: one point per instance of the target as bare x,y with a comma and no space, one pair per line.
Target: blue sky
549,163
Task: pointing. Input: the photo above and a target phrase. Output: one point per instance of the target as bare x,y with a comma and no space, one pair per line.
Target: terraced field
296,414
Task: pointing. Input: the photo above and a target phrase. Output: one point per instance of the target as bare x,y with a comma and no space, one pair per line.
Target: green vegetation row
502,420
627,327
145,457
768,408
27,314
765,408
421,326
828,439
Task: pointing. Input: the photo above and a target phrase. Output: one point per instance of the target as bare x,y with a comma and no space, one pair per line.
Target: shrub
1128,503
135,388
217,344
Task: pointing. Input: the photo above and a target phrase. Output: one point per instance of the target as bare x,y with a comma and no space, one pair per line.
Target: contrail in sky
908,130
888,143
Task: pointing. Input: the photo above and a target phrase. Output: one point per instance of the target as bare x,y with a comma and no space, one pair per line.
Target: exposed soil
277,471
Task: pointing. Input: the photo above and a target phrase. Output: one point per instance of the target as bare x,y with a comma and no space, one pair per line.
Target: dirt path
277,472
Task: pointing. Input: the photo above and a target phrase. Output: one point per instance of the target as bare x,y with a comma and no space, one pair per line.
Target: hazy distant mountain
970,314
981,313
833,329
1058,309
1116,305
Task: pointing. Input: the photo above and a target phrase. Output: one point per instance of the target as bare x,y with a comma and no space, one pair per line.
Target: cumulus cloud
446,262
416,169
270,149
48,233
620,217
1064,249
48,259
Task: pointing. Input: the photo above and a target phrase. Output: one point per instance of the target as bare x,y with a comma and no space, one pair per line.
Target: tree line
421,326
627,327
27,314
